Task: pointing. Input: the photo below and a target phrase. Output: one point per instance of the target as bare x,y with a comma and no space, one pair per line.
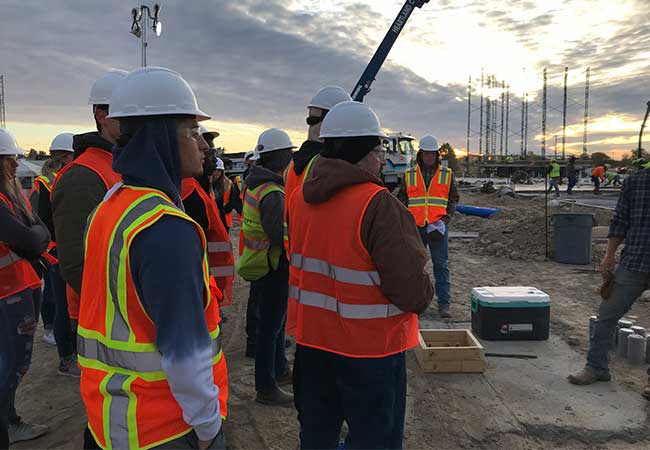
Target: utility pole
488,120
503,111
544,117
507,116
3,122
480,128
469,113
586,119
645,119
526,127
523,110
495,105
555,145
141,17
566,75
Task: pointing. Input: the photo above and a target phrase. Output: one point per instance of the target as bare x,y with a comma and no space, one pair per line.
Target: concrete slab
537,393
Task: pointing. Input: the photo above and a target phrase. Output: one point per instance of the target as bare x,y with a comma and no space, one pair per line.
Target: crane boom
368,76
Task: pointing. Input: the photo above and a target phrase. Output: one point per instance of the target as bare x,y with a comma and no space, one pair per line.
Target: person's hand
607,266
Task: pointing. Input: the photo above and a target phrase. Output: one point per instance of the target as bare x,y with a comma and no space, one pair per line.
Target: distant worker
640,164
356,305
227,195
264,263
630,225
55,303
81,185
324,100
555,176
598,175
153,371
572,174
199,202
429,191
612,178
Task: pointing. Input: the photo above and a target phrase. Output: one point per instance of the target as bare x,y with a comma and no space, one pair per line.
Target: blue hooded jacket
167,270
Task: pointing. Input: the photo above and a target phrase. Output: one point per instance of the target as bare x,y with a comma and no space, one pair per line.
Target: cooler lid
511,295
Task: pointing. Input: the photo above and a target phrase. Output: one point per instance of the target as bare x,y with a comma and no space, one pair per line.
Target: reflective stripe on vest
428,205
334,286
258,256
293,181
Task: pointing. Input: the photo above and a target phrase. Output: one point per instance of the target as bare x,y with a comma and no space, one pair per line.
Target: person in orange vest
598,175
54,293
430,193
82,184
23,238
321,103
227,194
199,202
149,335
356,305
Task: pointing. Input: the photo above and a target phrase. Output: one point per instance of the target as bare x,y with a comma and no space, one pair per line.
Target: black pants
368,393
4,435
270,352
252,319
66,339
190,441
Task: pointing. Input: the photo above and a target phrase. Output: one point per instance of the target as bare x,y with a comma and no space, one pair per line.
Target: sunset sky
255,64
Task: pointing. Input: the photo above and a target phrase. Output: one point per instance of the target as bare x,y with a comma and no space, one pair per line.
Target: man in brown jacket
359,283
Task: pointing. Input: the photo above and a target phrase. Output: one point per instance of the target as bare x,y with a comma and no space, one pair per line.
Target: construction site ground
515,404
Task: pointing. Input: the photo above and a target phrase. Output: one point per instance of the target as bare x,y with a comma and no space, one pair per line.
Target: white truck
400,155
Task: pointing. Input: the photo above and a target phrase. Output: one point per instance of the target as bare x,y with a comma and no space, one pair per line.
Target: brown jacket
388,233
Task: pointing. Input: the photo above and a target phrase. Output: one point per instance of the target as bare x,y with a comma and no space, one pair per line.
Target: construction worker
555,176
640,164
55,307
572,174
199,202
149,338
612,177
324,100
630,225
264,263
82,184
429,191
23,238
356,305
227,194
598,175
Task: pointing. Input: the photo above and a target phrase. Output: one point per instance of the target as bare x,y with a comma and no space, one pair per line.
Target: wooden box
449,351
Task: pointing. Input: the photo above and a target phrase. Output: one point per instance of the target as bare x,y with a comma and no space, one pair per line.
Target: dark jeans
626,289
48,306
252,318
66,340
4,435
596,181
190,440
368,393
555,184
18,318
572,183
439,258
270,352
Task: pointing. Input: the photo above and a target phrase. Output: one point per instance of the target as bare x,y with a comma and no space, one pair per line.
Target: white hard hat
429,143
62,142
100,93
273,139
154,91
213,134
220,165
8,144
251,155
351,119
328,97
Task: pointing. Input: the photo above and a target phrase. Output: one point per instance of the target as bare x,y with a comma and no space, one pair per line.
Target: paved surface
536,396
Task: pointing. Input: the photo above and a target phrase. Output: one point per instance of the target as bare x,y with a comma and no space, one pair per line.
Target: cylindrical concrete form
647,349
636,349
623,334
638,330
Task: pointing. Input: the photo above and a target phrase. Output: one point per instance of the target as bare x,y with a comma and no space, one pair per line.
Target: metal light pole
141,16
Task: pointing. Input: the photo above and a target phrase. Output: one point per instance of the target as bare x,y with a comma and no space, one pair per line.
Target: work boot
68,367
275,397
286,379
48,337
589,376
20,431
443,310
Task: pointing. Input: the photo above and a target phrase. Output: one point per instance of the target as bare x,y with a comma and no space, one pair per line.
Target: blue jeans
18,318
272,291
368,393
572,183
66,340
626,289
439,258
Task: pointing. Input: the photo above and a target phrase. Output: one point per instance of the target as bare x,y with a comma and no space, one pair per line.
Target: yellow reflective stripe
308,168
106,407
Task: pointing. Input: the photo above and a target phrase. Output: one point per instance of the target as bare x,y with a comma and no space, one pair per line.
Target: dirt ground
437,417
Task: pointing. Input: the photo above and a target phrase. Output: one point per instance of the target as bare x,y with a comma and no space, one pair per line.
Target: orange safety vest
16,273
99,161
599,172
292,181
42,182
128,399
220,255
336,287
226,199
428,205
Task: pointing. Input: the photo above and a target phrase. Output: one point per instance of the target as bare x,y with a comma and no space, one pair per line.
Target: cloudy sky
255,64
